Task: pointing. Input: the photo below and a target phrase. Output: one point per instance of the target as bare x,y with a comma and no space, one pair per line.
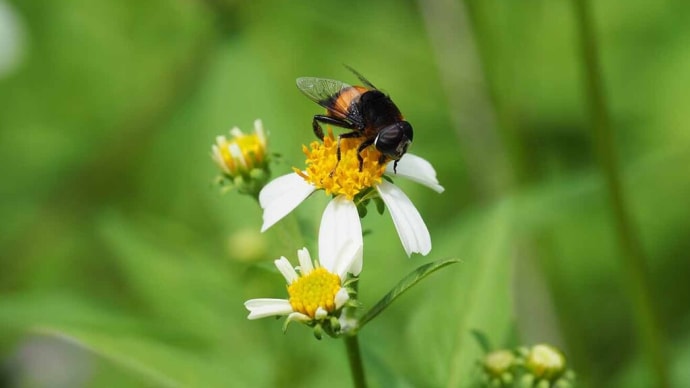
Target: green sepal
350,281
380,206
334,324
224,183
353,303
318,331
285,325
408,281
362,208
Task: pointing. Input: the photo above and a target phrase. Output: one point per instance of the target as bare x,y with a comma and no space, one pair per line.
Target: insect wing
324,92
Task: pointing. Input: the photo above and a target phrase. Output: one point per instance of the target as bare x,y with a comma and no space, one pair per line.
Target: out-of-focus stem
635,271
355,358
470,107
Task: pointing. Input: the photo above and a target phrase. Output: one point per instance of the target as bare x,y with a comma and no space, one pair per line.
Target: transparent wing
322,91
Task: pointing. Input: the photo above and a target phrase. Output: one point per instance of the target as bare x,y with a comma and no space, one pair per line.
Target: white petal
286,269
218,158
320,313
282,195
261,308
305,262
236,132
416,169
411,228
341,297
349,259
259,130
299,317
340,237
220,140
236,153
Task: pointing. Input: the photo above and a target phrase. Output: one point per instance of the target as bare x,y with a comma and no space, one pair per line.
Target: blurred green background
122,264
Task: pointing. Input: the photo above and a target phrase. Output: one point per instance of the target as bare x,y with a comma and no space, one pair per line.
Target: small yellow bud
243,159
545,362
497,363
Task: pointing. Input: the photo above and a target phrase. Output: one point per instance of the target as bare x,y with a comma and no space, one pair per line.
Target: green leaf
439,331
482,340
159,363
153,352
407,282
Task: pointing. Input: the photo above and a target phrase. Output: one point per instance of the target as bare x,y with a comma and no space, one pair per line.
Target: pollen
343,177
314,290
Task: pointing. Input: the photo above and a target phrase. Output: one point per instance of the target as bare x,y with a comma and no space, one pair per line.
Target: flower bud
243,159
498,368
545,362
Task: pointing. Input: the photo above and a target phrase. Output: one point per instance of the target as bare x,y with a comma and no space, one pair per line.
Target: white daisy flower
349,186
317,291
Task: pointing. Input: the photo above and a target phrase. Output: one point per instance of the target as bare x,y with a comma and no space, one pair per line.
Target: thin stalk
289,232
636,276
355,358
548,318
354,355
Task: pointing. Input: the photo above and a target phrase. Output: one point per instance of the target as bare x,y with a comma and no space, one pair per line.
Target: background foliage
115,241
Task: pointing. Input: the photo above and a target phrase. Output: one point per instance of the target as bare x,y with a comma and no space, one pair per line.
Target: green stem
290,233
635,271
355,358
354,355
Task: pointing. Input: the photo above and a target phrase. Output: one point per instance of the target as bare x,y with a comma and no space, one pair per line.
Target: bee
365,110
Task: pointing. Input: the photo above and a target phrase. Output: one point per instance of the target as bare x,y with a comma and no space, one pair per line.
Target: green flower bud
544,361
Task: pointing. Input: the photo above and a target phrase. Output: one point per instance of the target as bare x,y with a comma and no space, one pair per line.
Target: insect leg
366,143
348,136
382,158
318,131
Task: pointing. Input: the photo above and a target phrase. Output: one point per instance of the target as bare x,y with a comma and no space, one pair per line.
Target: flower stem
355,358
635,272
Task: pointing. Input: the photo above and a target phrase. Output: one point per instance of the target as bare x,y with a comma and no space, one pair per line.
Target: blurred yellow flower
243,158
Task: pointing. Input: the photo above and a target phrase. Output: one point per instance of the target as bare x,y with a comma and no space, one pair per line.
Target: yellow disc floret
314,290
344,177
242,152
252,147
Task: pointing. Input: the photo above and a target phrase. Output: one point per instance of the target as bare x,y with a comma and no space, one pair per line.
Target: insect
368,112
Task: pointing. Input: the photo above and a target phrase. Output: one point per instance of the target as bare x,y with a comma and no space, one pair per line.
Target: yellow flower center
227,159
344,177
252,148
242,153
317,289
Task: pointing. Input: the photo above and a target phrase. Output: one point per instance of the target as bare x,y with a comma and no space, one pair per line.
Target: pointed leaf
479,296
408,281
482,340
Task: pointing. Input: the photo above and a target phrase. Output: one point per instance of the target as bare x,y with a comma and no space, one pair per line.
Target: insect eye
393,140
